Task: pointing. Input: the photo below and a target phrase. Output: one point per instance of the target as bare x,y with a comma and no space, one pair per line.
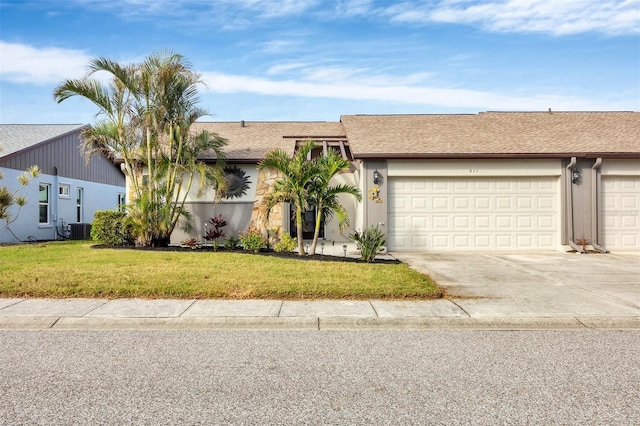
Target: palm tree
145,116
297,175
324,197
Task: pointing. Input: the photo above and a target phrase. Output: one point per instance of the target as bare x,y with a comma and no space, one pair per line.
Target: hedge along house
62,201
491,181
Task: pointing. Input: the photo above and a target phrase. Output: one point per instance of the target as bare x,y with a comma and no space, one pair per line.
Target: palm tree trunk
316,231
299,230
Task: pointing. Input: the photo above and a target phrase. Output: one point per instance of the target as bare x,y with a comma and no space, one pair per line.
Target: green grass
74,269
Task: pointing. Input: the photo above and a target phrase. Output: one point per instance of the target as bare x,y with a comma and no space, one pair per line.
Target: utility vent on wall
80,231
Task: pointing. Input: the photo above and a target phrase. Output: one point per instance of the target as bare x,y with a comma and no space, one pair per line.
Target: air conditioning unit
80,231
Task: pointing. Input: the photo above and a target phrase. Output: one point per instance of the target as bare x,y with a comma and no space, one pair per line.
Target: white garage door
621,212
481,213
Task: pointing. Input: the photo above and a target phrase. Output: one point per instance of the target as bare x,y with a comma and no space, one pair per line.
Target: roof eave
427,156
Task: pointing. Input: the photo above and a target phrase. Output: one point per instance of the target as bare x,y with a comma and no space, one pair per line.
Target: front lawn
75,269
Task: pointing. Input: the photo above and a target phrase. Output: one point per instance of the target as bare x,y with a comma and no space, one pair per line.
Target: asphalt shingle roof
501,133
16,137
253,140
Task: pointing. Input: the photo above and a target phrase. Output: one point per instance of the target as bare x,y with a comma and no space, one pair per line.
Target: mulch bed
271,253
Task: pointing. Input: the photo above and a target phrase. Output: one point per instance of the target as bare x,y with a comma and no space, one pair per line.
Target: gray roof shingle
16,137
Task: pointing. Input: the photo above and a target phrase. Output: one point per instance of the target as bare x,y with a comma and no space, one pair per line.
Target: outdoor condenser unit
80,231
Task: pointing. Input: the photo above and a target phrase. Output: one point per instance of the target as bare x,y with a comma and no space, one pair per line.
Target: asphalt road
320,377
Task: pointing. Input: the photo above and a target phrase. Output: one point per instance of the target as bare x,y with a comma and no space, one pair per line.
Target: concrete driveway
535,284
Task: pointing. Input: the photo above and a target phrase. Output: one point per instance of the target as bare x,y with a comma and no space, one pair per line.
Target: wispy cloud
399,93
23,63
611,17
556,17
229,14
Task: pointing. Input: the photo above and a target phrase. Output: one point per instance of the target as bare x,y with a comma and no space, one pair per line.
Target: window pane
44,213
44,193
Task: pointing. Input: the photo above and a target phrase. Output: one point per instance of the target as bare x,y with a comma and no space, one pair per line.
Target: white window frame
121,201
64,190
79,203
46,204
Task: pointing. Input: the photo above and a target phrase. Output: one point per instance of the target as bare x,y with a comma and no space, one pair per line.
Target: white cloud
400,93
611,17
283,68
23,63
354,7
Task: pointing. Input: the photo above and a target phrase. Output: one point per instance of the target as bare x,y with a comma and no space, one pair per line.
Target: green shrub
252,240
371,241
108,227
231,243
286,243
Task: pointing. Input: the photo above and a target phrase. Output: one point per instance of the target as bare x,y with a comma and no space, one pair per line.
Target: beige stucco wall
480,167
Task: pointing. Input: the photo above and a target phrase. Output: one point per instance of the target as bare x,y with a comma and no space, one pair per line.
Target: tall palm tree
324,196
297,174
145,116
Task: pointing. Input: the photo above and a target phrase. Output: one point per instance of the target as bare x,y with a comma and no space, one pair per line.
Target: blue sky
315,60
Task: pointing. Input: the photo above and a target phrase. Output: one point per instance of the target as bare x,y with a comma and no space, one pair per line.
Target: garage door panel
482,241
478,213
621,212
482,222
504,222
504,203
440,222
482,203
418,203
462,223
441,204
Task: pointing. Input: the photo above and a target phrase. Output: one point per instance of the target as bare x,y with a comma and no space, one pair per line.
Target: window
121,201
43,201
79,196
339,147
63,190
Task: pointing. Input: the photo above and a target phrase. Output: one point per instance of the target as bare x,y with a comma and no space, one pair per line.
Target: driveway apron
549,284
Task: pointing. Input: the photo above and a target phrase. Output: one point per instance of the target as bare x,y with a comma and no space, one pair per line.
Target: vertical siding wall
63,156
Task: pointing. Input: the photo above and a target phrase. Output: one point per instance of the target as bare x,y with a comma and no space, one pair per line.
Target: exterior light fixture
575,176
344,249
376,177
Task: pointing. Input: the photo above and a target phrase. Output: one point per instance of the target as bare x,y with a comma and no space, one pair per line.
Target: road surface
320,377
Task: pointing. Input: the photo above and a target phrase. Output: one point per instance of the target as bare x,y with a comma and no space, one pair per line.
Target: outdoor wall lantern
376,177
575,176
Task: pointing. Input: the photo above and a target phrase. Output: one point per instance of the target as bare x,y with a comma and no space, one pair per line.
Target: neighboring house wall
62,165
62,210
63,157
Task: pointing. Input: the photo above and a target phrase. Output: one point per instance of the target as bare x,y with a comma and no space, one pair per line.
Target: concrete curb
317,323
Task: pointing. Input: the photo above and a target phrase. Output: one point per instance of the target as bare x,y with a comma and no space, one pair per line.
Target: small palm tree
297,175
324,196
